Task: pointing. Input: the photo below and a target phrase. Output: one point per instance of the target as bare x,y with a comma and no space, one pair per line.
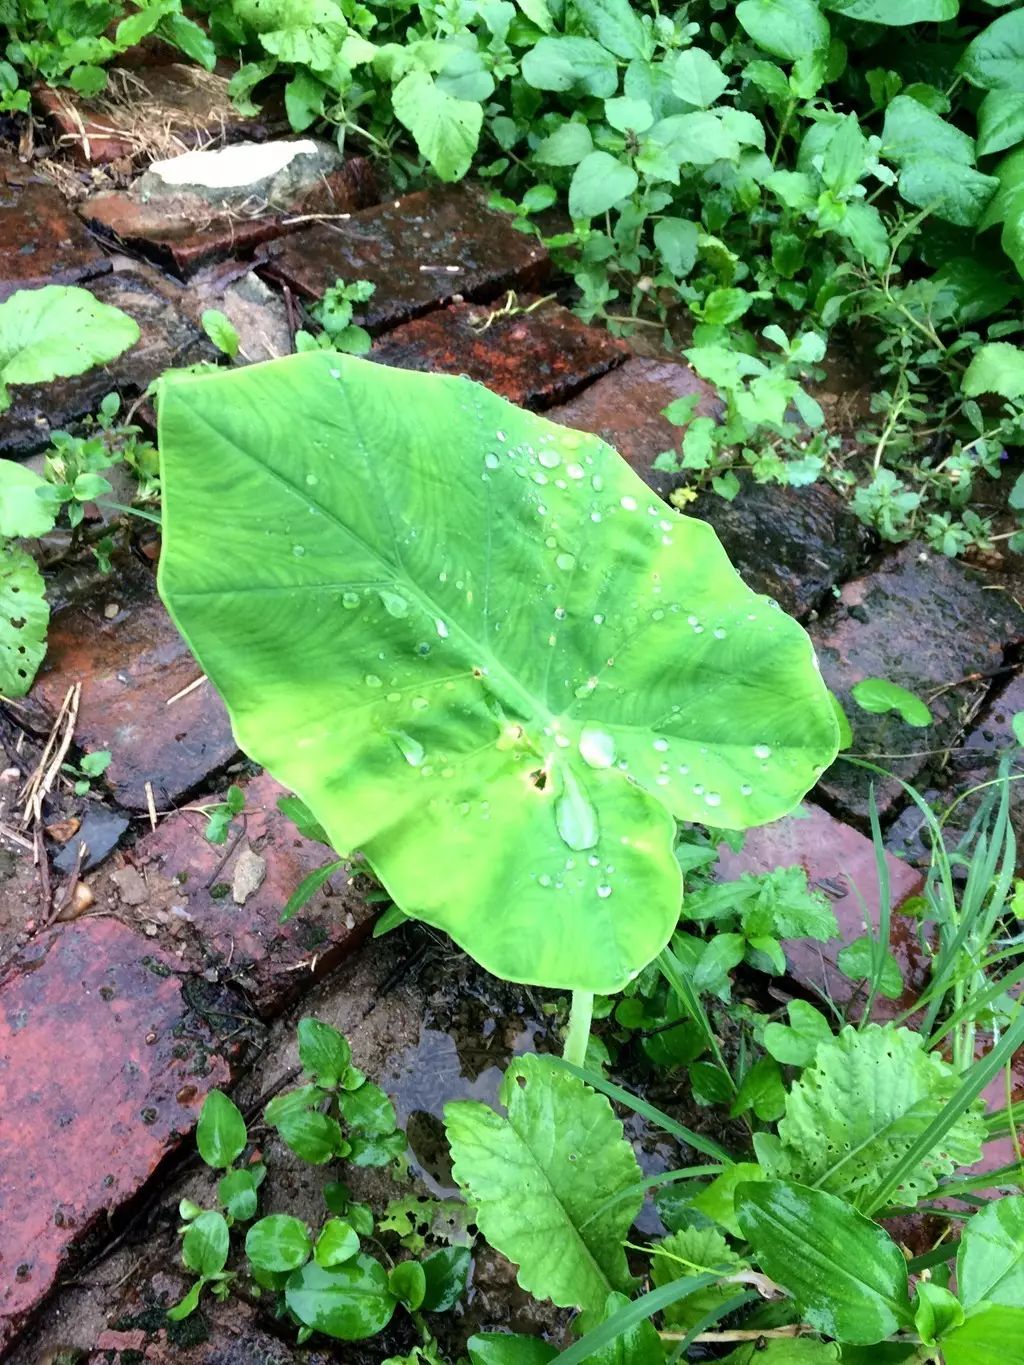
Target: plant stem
578,1035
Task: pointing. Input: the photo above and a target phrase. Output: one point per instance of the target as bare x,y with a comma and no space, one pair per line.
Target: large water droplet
350,600
604,891
491,460
713,799
565,561
411,749
419,703
628,504
746,789
298,551
661,745
372,680
597,747
575,816
312,480
393,603
575,471
550,459
441,628
762,751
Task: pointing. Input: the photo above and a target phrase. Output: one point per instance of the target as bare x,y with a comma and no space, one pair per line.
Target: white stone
232,167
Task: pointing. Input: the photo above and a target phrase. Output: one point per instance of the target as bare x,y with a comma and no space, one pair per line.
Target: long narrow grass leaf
630,1315
648,1111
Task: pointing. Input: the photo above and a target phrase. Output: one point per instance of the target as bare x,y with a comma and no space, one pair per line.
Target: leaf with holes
24,616
854,1111
58,330
542,1181
480,650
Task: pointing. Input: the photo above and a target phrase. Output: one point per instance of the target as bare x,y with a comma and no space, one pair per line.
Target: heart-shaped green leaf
480,650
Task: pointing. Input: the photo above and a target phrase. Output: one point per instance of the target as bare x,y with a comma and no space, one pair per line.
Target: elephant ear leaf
480,650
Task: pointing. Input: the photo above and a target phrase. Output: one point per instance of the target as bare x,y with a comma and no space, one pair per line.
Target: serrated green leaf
996,367
541,1180
849,1279
414,757
855,1109
220,1133
56,331
694,1251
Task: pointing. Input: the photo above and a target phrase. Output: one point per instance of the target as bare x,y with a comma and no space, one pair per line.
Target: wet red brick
533,358
794,544
624,409
129,667
420,252
930,624
103,1071
271,961
167,338
972,764
41,240
839,862
149,110
791,543
185,232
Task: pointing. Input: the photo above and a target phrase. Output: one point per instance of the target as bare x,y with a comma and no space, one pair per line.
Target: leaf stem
578,1034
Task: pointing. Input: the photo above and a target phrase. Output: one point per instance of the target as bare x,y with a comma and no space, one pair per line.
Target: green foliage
319,1277
878,696
539,1178
334,313
502,671
31,505
69,44
847,1276
58,330
855,1108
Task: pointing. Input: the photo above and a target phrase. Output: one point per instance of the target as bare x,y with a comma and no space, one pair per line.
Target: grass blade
648,1111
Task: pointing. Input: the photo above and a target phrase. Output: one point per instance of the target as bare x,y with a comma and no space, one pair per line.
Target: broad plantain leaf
446,129
990,1261
22,511
58,330
853,1112
480,650
542,1179
848,1277
24,616
992,1335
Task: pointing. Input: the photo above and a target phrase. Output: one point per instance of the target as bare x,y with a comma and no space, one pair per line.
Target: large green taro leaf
481,650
